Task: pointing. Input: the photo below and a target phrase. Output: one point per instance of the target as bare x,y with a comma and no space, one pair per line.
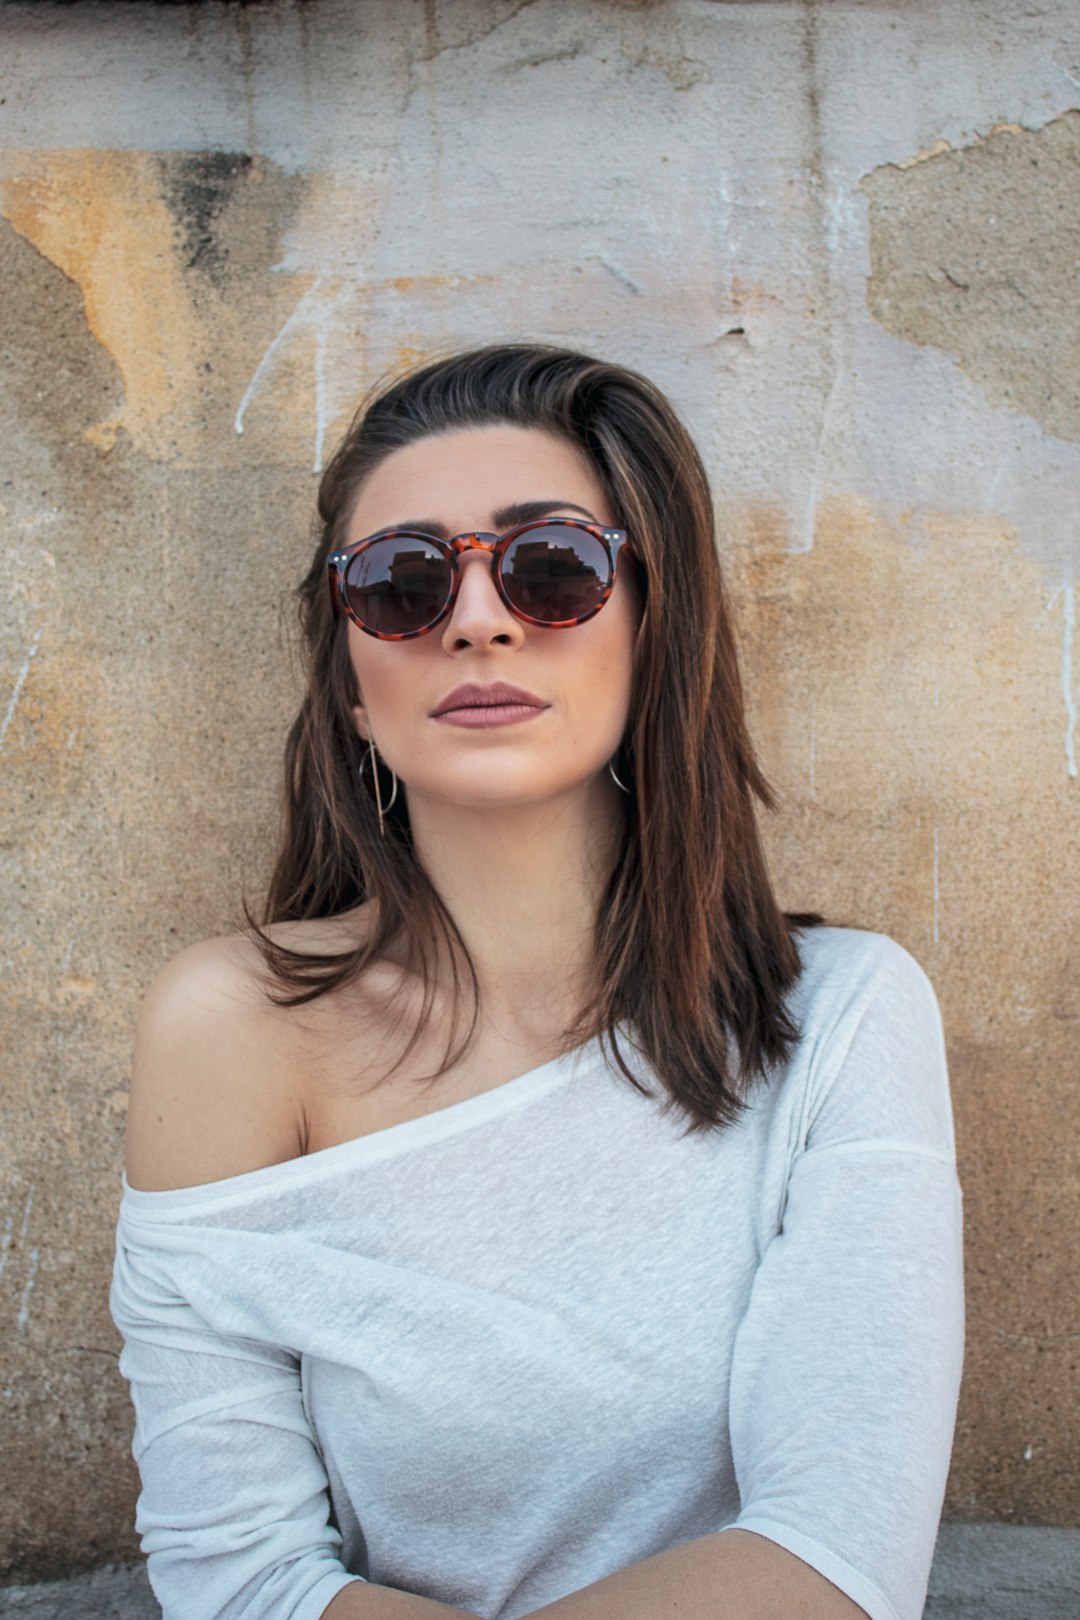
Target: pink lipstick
496,704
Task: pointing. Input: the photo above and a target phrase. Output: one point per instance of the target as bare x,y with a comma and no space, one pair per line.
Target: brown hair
692,955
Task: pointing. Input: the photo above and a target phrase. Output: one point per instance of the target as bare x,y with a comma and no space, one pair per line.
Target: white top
498,1352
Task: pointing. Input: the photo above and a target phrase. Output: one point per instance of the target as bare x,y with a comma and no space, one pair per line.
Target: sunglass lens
557,574
397,586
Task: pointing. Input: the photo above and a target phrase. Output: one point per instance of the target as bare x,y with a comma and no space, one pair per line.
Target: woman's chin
491,788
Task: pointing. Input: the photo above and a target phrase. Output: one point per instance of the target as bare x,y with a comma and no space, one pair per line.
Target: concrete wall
844,236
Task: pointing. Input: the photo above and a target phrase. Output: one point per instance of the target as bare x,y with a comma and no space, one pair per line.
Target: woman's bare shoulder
215,1086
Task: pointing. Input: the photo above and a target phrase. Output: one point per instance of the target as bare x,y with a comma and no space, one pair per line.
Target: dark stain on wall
974,251
197,186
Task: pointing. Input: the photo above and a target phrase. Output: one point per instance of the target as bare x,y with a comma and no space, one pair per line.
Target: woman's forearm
735,1575
361,1600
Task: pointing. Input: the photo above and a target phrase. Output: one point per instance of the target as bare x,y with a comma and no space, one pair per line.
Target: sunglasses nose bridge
478,541
474,542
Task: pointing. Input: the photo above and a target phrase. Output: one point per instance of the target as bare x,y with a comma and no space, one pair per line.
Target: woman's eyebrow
419,526
507,517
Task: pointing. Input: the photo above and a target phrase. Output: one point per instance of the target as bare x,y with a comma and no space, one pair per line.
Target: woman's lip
473,694
474,716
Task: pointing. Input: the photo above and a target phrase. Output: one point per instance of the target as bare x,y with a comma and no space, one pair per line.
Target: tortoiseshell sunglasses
401,583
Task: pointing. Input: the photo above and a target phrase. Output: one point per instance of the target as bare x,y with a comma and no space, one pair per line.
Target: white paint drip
722,205
301,316
26,1212
1067,679
813,745
623,277
842,219
5,1242
1049,604
936,891
817,475
19,684
38,520
24,1303
322,411
994,486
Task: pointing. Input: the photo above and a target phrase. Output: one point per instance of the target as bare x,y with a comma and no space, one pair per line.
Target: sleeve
234,1508
847,1363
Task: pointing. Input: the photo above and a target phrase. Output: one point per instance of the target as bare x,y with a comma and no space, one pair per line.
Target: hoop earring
615,779
379,806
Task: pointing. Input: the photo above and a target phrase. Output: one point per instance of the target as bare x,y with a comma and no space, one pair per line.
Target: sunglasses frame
614,542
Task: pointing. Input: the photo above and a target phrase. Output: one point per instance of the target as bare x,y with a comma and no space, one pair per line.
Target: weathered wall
844,237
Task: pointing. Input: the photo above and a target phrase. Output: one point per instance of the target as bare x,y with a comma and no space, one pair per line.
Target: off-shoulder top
495,1353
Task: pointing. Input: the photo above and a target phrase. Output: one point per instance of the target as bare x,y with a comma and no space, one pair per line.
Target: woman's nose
480,615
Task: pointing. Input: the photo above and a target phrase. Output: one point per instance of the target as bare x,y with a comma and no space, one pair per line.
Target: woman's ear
360,720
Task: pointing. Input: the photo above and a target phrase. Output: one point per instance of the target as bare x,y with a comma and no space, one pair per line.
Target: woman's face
458,483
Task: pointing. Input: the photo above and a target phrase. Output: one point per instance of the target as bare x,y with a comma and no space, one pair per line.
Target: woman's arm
364,1602
234,1510
735,1575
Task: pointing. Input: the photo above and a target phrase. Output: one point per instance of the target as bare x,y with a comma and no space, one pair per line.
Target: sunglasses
400,583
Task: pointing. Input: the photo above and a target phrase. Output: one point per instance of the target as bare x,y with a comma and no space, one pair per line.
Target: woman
531,1218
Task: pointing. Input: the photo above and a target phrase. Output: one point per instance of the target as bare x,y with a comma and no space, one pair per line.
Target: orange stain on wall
100,218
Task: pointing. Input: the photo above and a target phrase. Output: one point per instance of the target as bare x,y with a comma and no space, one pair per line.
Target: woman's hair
692,955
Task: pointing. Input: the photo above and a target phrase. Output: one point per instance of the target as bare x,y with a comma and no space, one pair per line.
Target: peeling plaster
975,251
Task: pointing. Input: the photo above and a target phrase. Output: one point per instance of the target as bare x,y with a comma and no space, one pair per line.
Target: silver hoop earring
615,779
379,806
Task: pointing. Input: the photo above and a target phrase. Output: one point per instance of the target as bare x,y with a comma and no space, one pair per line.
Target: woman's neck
522,883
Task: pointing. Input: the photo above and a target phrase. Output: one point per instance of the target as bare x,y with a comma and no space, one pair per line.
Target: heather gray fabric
496,1353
